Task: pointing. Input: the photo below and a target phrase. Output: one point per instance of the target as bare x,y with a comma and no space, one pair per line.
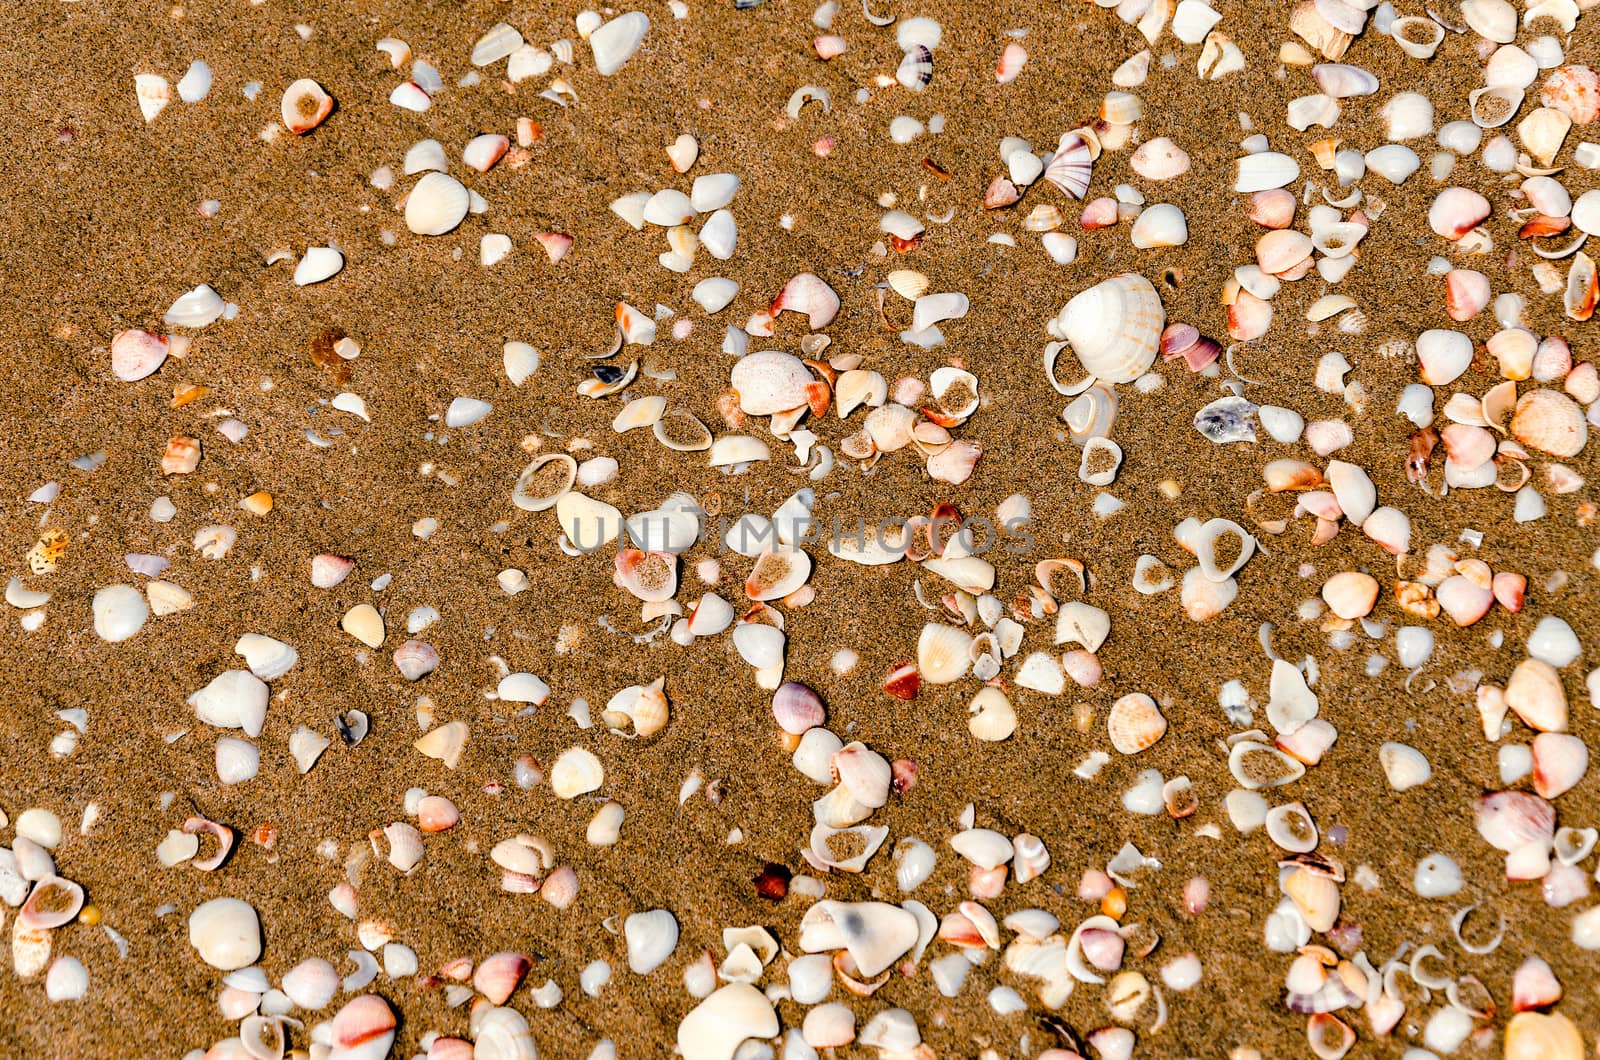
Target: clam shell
943,653
544,482
614,43
304,106
226,933
576,772
651,937
769,382
436,205
1114,327
716,1027
876,934
1550,422
136,354
1135,723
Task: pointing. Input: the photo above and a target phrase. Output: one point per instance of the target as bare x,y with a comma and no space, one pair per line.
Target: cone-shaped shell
1115,327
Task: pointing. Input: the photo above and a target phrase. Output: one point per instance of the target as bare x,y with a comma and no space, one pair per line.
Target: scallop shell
1550,422
436,205
1114,327
576,772
1135,723
1070,167
943,653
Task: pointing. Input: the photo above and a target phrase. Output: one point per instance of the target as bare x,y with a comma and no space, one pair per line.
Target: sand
103,233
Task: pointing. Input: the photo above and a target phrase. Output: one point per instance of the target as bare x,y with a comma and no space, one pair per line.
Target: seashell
1463,600
1114,327
1329,1037
194,309
614,43
916,68
1292,704
829,1026
1574,91
1559,761
267,658
1393,162
305,106
992,717
311,984
1417,36
1265,170
943,656
1494,105
136,354
1161,225
862,772
1443,356
328,570
1494,20
496,44
1099,462
769,382
1291,828
576,772
930,309
712,191
1468,293
363,1029
1508,820
1541,1036
1204,547
875,934
1534,986
364,624
435,813
1535,694
1070,167
235,699
1583,288
714,294
651,938
716,1027
796,708
1012,58
1550,422
1255,765
544,482
522,688
119,613
1341,80
1405,767
436,205
444,743
52,903
805,293
1542,133
1159,159
1204,599
1091,413
1135,723
1273,208
1456,211
226,933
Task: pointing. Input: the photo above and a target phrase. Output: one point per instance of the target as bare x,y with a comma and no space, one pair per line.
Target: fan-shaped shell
1115,327
1135,723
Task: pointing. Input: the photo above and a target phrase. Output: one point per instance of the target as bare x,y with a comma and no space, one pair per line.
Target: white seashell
1161,225
733,449
318,264
1292,704
614,43
576,772
1135,723
943,653
411,96
587,523
522,688
306,746
1069,168
119,612
716,1027
436,205
770,382
1405,767
195,84
423,156
876,934
1443,356
226,933
719,235
1393,162
153,94
930,309
1437,876
237,760
1341,80
714,294
1494,20
1417,36
759,645
498,43
544,482
1553,641
1081,623
1114,327
713,191
195,309
984,847
493,248
651,938
526,63
1192,20
1290,827
235,699
464,412
1265,170
1204,545
1494,105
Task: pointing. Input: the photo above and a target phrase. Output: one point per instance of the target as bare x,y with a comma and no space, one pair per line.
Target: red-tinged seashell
1299,270
797,708
1100,213
1467,446
1202,354
807,293
363,1029
518,883
555,244
1196,895
1001,192
1012,58
1457,211
986,884
450,1049
560,888
1420,453
499,975
1559,762
905,246
1249,317
54,901
1575,92
818,397
1071,166
1327,530
1467,292
1534,986
903,681
903,775
1511,819
828,47
823,147
1543,225
1176,339
136,354
1273,208
959,931
220,832
1509,590
772,882
305,105
328,570
435,813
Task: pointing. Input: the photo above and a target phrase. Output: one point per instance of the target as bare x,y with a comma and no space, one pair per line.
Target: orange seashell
1542,225
1467,292
364,1021
555,244
182,455
903,681
1135,723
1273,208
499,975
819,396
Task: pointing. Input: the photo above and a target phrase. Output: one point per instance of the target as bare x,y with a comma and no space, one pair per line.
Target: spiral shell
1114,327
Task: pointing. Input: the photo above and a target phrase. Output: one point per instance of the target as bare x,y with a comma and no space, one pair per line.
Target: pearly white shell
1114,327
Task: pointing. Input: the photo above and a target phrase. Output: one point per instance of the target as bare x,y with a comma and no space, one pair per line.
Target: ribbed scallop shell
1115,327
1135,723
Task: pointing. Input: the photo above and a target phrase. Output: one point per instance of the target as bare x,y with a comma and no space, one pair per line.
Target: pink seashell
1468,446
797,708
1534,986
54,901
328,570
807,293
555,244
1273,208
450,1049
519,883
1575,92
1196,895
1535,694
1101,213
1102,948
1559,762
1563,885
220,832
1508,820
560,888
1176,339
986,884
499,975
1467,292
1509,590
1552,360
828,47
1249,317
1094,885
1457,211
136,354
1083,667
415,660
959,931
1001,192
435,813
363,1029
1012,58
1463,599
1070,167
1309,742
954,463
482,152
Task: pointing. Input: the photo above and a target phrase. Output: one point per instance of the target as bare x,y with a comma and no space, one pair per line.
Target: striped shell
1071,165
1114,327
1135,723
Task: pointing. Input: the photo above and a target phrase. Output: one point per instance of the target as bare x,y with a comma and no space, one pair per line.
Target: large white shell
651,938
716,1027
770,381
615,42
1114,327
436,205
